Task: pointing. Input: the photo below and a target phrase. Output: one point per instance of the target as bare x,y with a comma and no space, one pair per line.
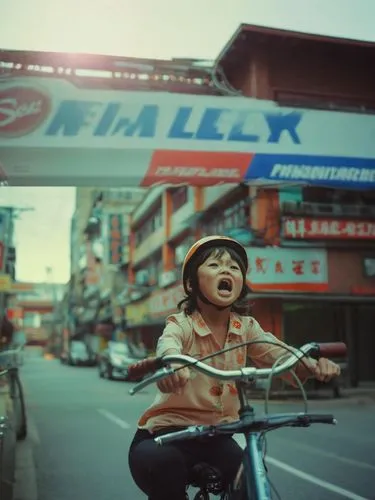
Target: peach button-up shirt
205,400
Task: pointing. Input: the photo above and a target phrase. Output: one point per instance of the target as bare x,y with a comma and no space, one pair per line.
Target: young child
215,315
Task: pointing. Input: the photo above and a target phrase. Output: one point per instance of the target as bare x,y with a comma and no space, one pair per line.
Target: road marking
329,454
308,477
277,463
107,414
312,479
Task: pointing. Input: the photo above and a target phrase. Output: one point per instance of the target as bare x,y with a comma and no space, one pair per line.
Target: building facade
311,248
305,218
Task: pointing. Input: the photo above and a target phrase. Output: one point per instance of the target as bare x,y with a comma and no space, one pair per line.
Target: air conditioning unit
142,277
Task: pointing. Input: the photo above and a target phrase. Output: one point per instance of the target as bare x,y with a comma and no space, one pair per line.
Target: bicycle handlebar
160,365
270,422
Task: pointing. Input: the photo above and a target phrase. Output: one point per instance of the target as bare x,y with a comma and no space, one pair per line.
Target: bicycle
252,481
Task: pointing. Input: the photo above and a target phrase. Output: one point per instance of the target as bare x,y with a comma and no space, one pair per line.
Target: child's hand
323,370
175,382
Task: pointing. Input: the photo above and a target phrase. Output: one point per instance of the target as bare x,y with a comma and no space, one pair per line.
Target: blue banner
326,171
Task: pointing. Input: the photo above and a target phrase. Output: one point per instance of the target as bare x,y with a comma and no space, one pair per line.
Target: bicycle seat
206,477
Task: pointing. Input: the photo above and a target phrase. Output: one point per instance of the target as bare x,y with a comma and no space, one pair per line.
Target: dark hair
189,303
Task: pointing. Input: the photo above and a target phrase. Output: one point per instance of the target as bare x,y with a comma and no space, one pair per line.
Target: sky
42,231
145,28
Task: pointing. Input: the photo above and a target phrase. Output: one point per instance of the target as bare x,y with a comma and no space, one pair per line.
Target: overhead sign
162,137
285,269
306,228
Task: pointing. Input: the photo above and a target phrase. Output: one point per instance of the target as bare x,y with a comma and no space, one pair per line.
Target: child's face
220,279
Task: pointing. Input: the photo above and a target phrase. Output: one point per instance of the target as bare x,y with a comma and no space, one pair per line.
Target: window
182,249
152,224
235,216
338,196
179,197
328,101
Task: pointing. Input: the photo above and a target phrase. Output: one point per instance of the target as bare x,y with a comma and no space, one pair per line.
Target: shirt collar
236,325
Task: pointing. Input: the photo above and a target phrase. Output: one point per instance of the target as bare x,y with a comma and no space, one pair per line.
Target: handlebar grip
189,433
332,350
144,367
322,419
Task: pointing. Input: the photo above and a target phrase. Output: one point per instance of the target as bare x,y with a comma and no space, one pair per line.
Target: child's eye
235,267
213,264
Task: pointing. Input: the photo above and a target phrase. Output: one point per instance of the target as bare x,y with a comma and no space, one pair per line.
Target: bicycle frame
256,479
254,482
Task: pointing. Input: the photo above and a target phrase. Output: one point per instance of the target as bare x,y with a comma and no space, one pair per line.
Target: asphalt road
81,427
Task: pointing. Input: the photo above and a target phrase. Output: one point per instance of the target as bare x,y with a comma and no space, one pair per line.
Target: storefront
336,302
146,318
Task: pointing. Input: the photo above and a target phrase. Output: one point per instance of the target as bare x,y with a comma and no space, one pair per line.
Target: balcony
149,245
179,220
327,210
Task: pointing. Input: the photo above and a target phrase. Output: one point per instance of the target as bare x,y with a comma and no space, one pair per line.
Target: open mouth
225,285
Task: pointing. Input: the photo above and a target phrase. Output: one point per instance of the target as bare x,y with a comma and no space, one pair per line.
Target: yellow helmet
210,242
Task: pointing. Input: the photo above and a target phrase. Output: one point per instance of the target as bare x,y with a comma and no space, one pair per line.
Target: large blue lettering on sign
103,120
72,116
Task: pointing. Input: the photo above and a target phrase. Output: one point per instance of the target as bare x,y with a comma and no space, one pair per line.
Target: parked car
13,422
78,355
113,362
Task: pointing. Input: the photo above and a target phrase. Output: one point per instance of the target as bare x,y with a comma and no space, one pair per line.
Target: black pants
162,472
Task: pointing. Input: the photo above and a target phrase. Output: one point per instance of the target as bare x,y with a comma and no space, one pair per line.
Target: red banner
116,238
306,228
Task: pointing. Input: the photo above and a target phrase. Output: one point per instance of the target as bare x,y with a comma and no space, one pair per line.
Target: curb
26,482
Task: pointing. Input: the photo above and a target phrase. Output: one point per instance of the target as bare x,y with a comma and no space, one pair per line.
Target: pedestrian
6,332
213,315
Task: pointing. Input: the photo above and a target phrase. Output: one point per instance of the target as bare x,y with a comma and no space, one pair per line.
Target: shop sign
2,252
5,283
92,274
116,231
165,301
284,269
137,312
305,228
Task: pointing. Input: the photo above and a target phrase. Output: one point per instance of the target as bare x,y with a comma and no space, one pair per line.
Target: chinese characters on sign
165,301
115,238
286,269
308,228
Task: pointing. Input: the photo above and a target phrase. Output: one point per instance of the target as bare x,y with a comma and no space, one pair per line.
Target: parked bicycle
252,482
13,420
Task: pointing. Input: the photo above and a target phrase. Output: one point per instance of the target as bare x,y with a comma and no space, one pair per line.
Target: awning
160,137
